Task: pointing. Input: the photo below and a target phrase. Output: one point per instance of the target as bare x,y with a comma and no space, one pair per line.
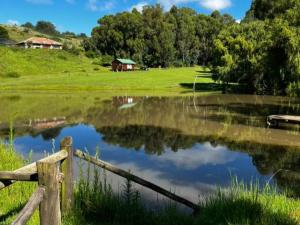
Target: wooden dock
274,120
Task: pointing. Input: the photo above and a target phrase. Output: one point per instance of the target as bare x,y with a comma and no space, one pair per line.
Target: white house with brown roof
38,42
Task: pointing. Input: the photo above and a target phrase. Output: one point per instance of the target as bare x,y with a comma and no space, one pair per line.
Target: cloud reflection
199,155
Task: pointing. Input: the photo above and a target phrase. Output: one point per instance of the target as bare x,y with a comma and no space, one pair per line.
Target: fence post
67,169
50,206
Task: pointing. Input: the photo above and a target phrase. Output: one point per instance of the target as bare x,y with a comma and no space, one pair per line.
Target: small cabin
123,65
38,42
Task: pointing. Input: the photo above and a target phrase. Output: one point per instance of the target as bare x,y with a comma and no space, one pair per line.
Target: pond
190,145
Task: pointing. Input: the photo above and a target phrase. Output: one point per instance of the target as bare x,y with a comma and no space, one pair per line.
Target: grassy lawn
155,80
42,69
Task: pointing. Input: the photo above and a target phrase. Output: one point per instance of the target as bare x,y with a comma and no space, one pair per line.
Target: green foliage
263,51
46,27
12,75
3,33
71,48
28,25
21,191
156,38
293,89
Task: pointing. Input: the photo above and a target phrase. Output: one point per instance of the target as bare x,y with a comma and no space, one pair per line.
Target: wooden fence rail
47,172
54,175
135,179
30,207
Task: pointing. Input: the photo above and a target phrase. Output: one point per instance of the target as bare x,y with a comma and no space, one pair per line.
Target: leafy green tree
159,37
46,27
184,20
28,25
3,33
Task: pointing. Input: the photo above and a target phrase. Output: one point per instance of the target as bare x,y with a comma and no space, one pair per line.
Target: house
38,42
123,65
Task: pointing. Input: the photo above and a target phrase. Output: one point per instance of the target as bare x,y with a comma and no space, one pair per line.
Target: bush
62,57
106,60
96,69
293,90
91,54
3,33
71,48
12,75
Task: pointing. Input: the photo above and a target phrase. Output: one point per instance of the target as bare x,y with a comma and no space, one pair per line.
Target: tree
46,27
28,25
265,9
68,34
159,37
3,33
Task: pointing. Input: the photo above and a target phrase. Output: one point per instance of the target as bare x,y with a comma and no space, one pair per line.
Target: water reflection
187,143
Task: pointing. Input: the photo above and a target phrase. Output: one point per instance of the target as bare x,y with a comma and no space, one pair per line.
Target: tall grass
241,204
13,198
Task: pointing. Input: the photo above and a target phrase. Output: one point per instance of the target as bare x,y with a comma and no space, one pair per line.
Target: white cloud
45,2
215,4
13,22
199,156
96,5
167,4
139,6
238,21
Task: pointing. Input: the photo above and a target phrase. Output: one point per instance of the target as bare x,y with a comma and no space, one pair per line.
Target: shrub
3,33
106,60
62,57
96,69
91,54
69,47
293,90
12,75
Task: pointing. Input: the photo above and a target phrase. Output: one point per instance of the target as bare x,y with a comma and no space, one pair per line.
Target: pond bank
95,201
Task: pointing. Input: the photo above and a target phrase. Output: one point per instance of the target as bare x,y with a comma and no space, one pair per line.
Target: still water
189,145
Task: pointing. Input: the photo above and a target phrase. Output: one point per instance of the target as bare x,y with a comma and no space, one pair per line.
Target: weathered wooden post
50,206
67,195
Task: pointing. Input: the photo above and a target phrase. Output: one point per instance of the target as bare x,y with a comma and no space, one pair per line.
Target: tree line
46,27
261,52
156,38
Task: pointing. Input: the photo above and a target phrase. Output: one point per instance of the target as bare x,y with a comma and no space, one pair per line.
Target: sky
80,16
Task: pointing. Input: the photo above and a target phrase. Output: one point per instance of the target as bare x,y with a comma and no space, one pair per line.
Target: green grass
40,69
13,198
239,205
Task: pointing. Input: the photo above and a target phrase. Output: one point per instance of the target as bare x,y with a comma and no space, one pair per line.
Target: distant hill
18,33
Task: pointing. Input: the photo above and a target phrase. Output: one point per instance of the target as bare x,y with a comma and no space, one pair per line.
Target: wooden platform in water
275,119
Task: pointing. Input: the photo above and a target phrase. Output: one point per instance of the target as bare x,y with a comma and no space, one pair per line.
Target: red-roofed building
38,42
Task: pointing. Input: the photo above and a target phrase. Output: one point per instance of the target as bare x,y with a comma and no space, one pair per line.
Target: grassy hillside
18,34
24,62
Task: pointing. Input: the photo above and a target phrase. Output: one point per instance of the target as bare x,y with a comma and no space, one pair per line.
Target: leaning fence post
50,206
67,170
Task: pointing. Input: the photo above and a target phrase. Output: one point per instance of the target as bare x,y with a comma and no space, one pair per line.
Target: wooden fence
54,175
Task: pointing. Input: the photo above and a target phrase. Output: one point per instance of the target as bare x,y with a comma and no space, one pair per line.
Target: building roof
126,61
39,40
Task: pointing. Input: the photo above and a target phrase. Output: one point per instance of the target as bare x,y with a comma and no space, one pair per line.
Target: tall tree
159,37
184,21
46,27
